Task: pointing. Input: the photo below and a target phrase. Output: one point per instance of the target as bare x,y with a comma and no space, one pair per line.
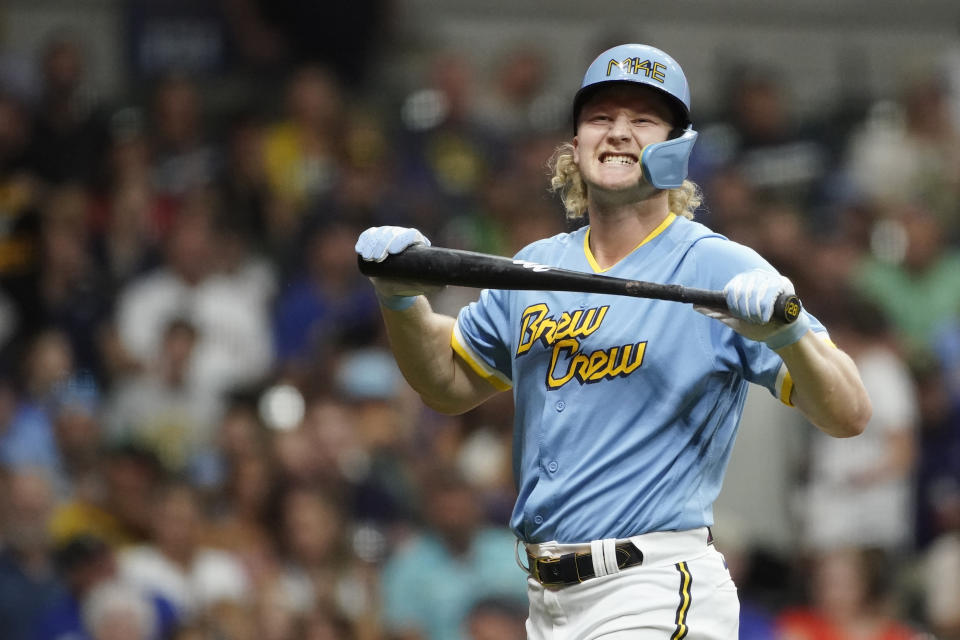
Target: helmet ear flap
664,164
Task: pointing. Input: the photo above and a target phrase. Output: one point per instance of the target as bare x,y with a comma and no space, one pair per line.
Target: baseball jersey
626,408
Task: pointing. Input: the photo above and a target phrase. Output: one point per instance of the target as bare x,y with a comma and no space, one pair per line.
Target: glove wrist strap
396,303
789,334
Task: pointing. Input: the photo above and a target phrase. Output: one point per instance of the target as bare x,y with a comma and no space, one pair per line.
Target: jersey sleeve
718,260
480,338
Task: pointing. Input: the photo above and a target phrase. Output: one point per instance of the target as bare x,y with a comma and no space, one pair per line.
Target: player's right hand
751,297
374,245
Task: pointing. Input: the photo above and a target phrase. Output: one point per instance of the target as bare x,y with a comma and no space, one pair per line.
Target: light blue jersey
626,408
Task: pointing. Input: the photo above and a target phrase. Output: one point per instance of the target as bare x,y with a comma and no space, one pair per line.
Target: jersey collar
653,234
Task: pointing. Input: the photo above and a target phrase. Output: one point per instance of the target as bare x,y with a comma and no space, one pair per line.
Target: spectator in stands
451,565
444,157
908,152
916,281
320,569
47,366
496,619
941,585
160,410
85,564
113,611
938,498
325,305
120,510
938,467
781,157
234,343
69,137
243,515
349,37
518,99
18,189
183,159
75,416
28,580
131,218
239,263
303,151
176,566
366,189
861,492
243,184
19,194
851,596
65,291
386,419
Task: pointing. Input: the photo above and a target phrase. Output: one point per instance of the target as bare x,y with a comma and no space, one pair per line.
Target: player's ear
576,150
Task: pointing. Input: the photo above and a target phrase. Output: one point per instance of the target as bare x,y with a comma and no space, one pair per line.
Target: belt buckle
560,582
533,567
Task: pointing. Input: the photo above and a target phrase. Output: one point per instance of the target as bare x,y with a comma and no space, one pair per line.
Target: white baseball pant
681,591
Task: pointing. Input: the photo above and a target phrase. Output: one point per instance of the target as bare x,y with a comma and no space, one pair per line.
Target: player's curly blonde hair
568,182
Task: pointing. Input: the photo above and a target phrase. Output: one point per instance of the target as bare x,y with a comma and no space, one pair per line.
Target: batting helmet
664,164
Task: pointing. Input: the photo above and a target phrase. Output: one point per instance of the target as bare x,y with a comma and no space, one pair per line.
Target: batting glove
751,296
374,245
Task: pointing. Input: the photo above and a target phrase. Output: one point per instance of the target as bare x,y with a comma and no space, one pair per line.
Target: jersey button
553,466
561,405
538,519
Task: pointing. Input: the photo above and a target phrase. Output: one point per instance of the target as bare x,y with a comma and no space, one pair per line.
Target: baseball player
626,408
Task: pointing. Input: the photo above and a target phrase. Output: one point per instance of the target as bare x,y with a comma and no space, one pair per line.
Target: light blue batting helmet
664,164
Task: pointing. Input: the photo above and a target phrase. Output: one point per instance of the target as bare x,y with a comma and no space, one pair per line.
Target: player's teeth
618,160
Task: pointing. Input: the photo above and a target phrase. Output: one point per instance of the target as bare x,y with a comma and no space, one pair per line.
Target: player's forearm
827,386
420,340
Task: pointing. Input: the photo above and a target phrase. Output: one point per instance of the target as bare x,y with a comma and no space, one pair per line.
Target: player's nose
619,128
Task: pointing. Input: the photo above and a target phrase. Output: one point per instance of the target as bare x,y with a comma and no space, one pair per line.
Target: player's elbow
851,422
446,405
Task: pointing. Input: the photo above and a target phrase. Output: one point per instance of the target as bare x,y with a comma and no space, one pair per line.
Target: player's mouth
625,159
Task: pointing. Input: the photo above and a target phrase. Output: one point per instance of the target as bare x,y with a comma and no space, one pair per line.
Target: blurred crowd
203,435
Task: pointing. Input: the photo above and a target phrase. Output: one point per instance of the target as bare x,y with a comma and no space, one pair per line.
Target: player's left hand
374,245
751,296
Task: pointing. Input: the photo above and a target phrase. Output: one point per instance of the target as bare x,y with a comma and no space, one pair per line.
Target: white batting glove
751,296
374,245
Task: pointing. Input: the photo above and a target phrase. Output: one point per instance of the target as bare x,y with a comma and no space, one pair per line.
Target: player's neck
616,230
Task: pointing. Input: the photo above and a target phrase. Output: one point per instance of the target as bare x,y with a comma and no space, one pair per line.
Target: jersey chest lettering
561,336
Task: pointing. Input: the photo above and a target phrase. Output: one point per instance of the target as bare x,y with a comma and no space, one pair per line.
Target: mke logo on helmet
636,65
562,336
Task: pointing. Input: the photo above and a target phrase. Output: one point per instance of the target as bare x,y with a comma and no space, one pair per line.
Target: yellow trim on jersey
685,598
653,234
786,389
482,369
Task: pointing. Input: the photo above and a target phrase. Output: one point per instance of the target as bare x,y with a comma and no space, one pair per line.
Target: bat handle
787,308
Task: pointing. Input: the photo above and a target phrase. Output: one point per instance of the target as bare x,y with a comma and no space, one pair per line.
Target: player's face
614,127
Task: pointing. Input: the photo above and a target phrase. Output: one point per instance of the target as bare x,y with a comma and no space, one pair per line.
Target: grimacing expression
614,126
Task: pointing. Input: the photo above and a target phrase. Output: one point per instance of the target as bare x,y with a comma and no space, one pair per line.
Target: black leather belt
574,568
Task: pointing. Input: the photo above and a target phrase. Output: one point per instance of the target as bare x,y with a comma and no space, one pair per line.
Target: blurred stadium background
202,434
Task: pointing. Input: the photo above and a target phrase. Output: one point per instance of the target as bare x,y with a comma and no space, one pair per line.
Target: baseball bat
441,266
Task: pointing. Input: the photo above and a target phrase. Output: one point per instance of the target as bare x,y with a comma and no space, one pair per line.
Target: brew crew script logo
561,335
